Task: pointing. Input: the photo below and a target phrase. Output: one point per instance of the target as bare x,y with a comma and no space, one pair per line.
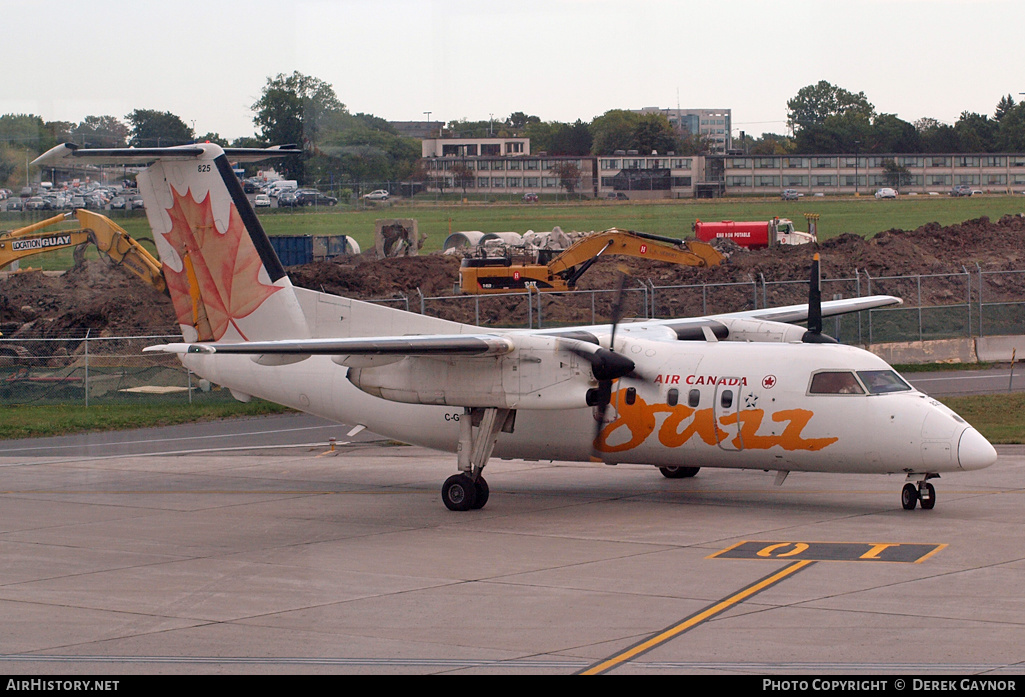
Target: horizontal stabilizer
69,152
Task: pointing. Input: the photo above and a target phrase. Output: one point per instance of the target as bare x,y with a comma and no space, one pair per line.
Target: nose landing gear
924,493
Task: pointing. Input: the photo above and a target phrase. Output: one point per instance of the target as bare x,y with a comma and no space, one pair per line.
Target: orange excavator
562,271
93,228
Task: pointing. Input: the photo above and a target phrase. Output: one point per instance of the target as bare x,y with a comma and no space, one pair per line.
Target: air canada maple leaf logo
219,279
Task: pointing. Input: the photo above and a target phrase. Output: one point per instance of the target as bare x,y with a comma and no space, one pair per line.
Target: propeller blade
600,398
607,365
617,306
815,297
814,334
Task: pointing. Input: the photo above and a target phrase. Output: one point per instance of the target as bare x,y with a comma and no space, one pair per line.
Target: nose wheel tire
909,496
912,495
459,493
927,496
678,472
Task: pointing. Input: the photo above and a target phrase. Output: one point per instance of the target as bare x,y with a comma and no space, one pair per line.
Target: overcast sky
562,60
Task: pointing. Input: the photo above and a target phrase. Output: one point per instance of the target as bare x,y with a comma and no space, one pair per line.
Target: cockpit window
835,382
883,381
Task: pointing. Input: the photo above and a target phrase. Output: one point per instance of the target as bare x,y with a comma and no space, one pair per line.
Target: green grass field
1000,417
42,421
863,216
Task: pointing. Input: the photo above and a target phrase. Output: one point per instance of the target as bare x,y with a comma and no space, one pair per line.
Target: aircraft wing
425,345
798,313
371,351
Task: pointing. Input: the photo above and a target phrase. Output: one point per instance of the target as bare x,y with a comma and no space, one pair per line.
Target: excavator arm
93,228
563,271
634,244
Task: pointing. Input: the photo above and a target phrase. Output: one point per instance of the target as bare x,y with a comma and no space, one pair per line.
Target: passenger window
727,399
694,398
835,382
673,397
631,395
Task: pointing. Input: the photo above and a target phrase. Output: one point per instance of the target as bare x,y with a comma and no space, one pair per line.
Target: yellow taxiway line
694,620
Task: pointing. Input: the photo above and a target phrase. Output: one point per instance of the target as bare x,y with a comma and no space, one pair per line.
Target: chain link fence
80,368
89,370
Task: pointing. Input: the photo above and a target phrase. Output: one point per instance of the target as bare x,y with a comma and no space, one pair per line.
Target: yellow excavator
561,272
93,228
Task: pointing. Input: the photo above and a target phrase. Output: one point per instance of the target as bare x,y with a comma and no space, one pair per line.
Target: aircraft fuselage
696,404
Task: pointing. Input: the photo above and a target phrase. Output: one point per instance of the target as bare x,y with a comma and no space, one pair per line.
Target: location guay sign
60,240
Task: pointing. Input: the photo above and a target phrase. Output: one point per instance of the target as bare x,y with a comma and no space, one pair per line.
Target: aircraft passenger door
727,404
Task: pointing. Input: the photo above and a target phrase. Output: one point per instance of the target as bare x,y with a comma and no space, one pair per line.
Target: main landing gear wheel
482,492
678,472
459,492
909,497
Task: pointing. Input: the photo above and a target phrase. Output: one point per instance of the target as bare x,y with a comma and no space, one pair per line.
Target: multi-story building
417,129
714,124
475,147
849,174
507,166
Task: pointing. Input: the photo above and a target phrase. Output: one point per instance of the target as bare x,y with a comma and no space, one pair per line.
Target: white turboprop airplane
741,390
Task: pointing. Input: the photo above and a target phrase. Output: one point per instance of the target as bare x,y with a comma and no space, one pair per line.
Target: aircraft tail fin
223,276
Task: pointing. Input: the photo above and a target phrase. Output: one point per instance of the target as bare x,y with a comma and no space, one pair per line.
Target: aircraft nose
975,452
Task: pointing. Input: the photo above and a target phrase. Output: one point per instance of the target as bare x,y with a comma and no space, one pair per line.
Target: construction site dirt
109,301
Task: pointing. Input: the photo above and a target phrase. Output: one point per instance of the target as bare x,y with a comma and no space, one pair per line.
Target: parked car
617,196
309,197
117,203
135,203
789,195
886,193
15,204
288,199
530,197
378,195
263,201
35,203
961,190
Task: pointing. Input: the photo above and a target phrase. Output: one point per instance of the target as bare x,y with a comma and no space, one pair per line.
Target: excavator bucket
117,244
94,228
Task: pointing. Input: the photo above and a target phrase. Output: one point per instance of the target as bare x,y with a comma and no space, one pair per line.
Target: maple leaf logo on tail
218,283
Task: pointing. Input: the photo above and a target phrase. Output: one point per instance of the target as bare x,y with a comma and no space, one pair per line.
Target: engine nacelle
745,329
537,375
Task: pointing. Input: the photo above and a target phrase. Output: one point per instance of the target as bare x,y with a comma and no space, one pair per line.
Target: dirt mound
366,277
98,296
108,300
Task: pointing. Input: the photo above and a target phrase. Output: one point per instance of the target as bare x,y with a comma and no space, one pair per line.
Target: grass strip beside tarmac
61,420
1000,417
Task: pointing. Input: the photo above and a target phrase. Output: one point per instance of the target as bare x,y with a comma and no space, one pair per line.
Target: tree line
827,119
341,147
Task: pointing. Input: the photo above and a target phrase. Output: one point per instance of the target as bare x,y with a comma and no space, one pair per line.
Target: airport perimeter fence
935,306
85,369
